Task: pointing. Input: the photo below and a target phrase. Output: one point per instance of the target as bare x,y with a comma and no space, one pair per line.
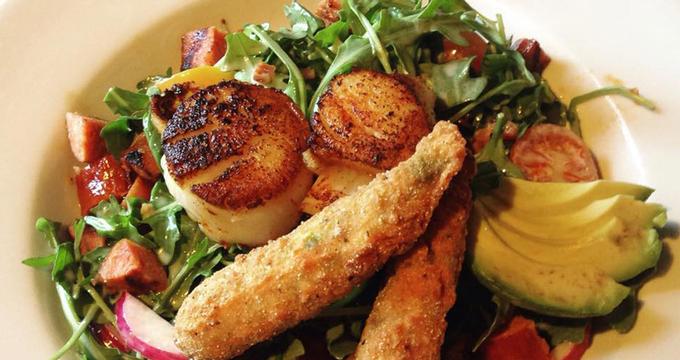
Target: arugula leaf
296,88
163,221
78,229
64,261
153,138
370,33
40,261
112,220
632,94
336,31
243,53
491,30
494,150
302,21
49,230
504,311
452,82
126,103
90,348
435,7
118,135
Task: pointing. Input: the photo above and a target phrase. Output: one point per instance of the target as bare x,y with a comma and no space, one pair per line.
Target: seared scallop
365,123
233,159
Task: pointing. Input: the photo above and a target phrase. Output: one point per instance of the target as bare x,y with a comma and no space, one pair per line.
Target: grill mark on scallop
256,134
368,117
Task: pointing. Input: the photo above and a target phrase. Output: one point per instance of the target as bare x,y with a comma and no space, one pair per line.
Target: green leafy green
296,88
39,261
126,103
153,137
243,54
302,21
452,82
494,150
118,135
337,31
163,221
370,34
631,94
49,230
504,311
114,221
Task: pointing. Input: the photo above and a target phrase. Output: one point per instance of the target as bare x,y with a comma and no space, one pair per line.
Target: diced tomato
518,341
483,135
89,241
573,351
138,158
536,59
202,47
83,136
476,47
98,181
328,10
141,188
133,268
554,153
108,335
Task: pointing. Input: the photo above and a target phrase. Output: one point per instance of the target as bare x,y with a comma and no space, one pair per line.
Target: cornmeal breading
408,317
293,278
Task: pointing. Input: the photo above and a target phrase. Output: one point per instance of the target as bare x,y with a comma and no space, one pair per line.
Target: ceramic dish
61,56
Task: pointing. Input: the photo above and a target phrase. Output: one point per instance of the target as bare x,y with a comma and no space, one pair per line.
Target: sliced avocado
558,198
564,262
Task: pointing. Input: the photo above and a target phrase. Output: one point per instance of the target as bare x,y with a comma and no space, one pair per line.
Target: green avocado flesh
562,248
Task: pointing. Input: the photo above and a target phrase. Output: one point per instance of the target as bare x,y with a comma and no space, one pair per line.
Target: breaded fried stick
408,317
293,278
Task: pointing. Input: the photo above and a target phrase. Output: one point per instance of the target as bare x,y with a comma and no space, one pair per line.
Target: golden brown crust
291,279
368,117
408,317
254,136
165,104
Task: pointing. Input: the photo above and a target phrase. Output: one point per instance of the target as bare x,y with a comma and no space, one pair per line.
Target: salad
381,179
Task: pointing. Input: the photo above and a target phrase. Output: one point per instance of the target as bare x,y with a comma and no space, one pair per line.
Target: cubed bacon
141,188
89,241
138,158
98,181
483,135
83,135
202,47
519,340
536,59
264,73
328,10
133,268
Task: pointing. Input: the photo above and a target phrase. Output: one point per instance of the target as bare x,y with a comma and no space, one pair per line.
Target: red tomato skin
98,181
518,341
552,153
476,47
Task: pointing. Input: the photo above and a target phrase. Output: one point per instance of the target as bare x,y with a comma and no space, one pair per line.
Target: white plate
57,56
